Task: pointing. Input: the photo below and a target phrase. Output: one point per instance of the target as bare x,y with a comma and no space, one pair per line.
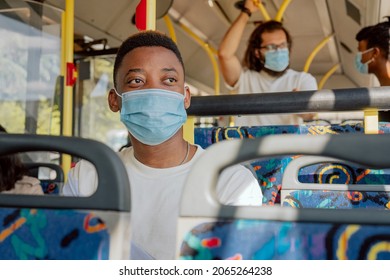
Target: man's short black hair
363,34
377,36
145,39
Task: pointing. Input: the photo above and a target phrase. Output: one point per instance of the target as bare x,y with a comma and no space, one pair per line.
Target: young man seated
152,99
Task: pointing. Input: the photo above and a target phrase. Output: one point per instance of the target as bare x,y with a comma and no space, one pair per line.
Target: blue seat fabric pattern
337,199
31,234
269,172
274,240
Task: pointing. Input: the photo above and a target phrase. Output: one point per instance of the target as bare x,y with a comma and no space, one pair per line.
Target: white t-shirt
156,194
261,82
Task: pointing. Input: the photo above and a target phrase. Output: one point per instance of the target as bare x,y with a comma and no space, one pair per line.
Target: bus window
29,68
94,119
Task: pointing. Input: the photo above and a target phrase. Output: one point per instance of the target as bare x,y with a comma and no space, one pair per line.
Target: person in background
13,176
265,66
152,98
373,56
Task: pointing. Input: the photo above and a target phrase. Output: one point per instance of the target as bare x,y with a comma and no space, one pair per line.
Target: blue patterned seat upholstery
36,234
276,240
329,183
270,172
209,230
332,199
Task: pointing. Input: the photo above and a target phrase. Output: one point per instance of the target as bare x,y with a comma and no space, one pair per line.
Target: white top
156,194
261,82
27,185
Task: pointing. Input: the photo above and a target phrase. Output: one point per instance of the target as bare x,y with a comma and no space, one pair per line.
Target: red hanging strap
140,15
71,74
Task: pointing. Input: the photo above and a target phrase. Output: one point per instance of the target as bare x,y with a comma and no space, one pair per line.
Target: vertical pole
62,71
371,121
68,87
150,14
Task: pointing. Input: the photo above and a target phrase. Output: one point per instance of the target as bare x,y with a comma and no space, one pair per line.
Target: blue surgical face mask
362,67
277,60
153,116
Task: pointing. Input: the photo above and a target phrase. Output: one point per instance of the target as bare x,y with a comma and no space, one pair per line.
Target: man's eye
271,47
135,81
283,45
171,80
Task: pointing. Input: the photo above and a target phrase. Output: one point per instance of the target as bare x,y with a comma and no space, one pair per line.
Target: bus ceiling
209,20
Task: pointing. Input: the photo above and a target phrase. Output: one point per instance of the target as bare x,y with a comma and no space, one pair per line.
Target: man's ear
187,97
114,101
378,53
257,53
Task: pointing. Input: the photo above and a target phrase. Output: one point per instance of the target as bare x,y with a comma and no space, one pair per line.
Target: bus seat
269,172
33,233
59,227
209,230
50,184
308,238
320,182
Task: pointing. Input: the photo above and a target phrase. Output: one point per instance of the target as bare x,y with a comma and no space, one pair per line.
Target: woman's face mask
277,60
152,116
362,67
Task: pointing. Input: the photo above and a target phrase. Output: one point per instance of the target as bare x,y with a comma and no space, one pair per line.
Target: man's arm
237,186
308,82
82,180
228,60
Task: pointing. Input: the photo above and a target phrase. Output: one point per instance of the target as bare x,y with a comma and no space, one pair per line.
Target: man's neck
273,73
171,153
383,74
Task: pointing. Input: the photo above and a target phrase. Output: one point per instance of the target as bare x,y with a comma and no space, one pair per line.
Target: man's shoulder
250,73
126,154
298,74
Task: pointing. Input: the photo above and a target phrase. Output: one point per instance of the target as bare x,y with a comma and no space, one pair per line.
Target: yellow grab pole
188,129
211,55
371,121
150,14
281,10
327,75
262,9
171,30
315,51
68,88
189,126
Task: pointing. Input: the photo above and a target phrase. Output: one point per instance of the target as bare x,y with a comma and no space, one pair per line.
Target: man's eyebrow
173,69
135,70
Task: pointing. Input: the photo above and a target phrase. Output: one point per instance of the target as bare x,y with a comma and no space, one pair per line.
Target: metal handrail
327,75
171,29
352,99
210,54
281,10
315,51
262,9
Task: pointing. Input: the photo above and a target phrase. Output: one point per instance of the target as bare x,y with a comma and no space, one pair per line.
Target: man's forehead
363,44
274,35
160,57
